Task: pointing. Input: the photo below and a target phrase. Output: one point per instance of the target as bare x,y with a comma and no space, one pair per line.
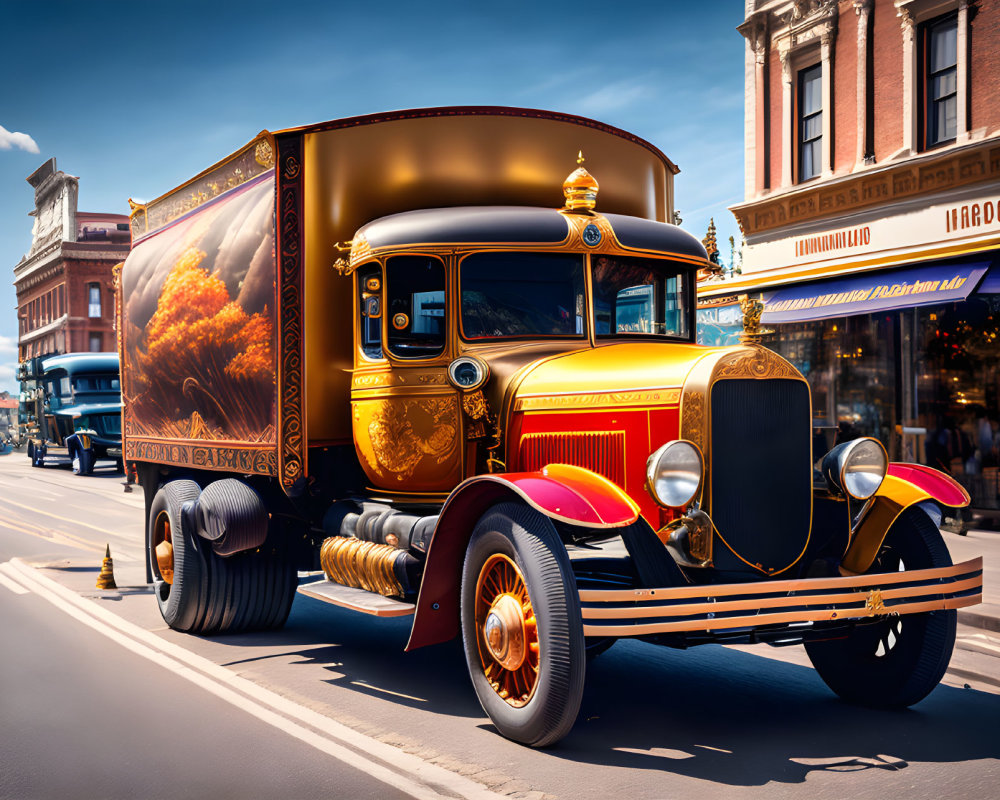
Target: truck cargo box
235,334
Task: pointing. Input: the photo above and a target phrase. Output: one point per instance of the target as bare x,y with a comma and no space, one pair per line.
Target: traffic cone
106,580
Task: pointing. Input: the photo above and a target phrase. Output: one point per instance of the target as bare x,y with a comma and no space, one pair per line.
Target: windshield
508,295
96,383
639,296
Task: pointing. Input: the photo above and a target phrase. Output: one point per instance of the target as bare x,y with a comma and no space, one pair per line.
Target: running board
356,599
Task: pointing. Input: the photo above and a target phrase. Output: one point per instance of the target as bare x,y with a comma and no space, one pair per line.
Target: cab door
406,416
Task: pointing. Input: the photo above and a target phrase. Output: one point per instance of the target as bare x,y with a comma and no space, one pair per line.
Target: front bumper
724,607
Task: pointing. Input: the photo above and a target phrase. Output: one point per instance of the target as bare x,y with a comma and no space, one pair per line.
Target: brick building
65,299
872,219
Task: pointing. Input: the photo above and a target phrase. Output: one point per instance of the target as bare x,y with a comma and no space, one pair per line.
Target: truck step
356,599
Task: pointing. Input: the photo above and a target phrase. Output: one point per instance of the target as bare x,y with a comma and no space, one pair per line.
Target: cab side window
370,299
415,311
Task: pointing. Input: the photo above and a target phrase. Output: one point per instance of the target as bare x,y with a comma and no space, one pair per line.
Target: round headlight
856,468
468,373
673,473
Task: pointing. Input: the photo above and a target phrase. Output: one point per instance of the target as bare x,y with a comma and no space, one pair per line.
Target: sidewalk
985,544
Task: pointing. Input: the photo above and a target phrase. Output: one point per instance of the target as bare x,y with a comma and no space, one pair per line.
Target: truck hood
605,375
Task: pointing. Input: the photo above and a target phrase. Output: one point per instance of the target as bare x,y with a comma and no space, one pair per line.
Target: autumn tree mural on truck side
199,324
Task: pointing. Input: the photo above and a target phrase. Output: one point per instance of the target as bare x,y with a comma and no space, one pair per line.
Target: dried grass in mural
199,325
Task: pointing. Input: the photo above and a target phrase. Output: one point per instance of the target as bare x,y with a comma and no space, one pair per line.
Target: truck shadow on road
735,718
711,713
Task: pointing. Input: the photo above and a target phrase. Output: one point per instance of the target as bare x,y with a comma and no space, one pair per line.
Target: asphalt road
100,699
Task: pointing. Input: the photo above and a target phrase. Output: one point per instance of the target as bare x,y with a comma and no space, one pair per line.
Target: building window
940,41
94,302
96,342
810,101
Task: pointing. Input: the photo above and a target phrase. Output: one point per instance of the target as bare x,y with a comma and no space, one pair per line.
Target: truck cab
73,410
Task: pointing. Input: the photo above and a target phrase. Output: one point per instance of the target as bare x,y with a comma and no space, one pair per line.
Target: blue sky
134,98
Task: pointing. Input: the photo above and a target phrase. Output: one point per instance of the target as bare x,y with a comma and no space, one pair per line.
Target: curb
985,616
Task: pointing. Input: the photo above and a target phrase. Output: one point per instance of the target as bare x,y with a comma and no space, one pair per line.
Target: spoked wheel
521,625
894,662
508,644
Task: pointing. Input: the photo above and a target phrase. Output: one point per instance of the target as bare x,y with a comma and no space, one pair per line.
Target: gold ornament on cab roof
580,188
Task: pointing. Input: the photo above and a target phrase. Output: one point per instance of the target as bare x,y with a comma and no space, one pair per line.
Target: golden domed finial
580,188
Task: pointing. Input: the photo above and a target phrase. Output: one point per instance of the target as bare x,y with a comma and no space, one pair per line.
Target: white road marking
10,583
980,643
117,534
405,772
61,537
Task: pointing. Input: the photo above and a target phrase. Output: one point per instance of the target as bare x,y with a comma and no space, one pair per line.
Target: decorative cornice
887,185
906,19
755,31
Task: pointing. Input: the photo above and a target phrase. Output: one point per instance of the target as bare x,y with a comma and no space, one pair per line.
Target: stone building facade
872,219
65,297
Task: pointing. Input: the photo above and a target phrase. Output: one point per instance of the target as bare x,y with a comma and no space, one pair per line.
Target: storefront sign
915,230
971,215
838,240
871,292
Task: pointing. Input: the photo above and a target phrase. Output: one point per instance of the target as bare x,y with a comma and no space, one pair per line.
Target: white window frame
912,14
93,309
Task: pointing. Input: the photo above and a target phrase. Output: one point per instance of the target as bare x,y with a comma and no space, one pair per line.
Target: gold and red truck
408,350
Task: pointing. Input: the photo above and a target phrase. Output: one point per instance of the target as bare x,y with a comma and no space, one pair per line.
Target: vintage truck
71,410
407,350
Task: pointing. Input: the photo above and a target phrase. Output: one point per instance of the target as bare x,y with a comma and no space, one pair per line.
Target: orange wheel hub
507,631
163,547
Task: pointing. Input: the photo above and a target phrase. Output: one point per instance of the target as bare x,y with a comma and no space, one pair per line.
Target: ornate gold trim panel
254,159
292,451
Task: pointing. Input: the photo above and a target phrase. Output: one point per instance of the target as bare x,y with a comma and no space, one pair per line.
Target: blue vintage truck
71,410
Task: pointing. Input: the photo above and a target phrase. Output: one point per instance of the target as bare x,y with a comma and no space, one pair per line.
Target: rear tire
211,594
894,662
517,570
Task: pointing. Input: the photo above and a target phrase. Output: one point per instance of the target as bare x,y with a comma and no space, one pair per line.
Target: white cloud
613,97
7,380
19,140
8,364
8,347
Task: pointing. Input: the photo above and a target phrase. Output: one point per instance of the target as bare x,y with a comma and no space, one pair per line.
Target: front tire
521,625
83,462
894,662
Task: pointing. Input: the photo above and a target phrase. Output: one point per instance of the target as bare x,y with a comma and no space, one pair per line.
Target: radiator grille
602,452
761,471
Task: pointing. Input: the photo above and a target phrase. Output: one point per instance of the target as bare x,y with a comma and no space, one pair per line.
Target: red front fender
943,488
905,485
560,491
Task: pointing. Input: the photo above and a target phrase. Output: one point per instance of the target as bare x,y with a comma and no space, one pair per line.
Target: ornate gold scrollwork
404,432
693,419
875,605
264,154
754,362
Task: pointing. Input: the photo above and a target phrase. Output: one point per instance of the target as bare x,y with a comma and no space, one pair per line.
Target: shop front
909,355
